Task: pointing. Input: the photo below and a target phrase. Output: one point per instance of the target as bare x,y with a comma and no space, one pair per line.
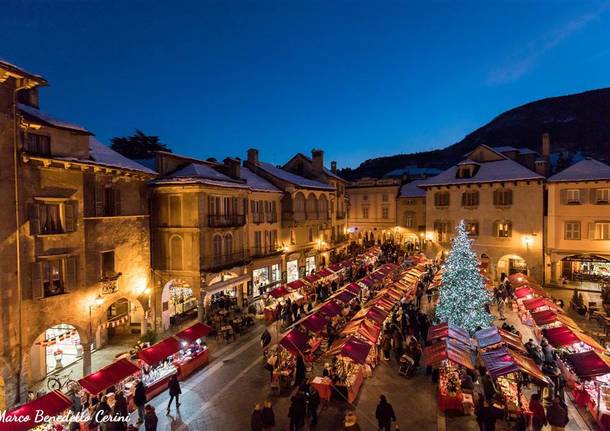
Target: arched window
323,207
228,245
175,253
312,207
217,251
299,206
503,197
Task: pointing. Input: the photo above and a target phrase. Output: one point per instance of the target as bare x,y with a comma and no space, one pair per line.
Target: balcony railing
266,251
224,261
258,218
226,220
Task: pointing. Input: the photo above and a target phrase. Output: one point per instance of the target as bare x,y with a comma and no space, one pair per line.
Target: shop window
107,264
472,228
385,212
441,199
503,229
276,272
503,197
602,196
39,145
572,230
470,199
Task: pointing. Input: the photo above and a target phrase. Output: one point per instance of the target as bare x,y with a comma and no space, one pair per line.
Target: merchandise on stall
119,374
53,404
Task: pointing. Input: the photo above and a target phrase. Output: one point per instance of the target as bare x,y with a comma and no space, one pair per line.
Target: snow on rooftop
499,170
292,178
257,183
413,170
585,170
46,118
200,170
107,156
411,190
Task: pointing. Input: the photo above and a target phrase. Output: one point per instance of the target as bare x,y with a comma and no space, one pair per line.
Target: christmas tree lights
463,296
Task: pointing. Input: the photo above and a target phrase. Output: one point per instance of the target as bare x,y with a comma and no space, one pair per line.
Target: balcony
226,220
266,251
258,218
214,263
271,218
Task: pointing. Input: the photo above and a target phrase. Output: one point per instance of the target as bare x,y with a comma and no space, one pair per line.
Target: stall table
323,385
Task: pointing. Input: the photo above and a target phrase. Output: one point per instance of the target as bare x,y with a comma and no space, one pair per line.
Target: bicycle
58,383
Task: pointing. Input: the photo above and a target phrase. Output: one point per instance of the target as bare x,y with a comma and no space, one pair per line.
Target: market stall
158,365
492,338
53,404
352,355
195,352
445,331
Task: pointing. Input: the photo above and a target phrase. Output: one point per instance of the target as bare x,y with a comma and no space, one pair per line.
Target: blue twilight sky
358,79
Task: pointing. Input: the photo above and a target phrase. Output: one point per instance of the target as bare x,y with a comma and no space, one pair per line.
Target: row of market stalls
354,351
180,354
583,362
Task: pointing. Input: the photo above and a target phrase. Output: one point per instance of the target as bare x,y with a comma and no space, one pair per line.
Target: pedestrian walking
139,399
384,414
313,403
150,418
557,415
297,412
299,372
268,416
256,419
174,392
489,415
538,414
351,422
120,409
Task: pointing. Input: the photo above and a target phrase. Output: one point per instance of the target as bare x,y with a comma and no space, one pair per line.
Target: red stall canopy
296,284
345,296
354,288
444,330
355,349
534,303
544,317
335,267
295,342
523,292
560,336
312,278
368,281
588,364
160,351
502,361
110,375
278,292
315,323
51,404
331,308
325,272
448,350
193,333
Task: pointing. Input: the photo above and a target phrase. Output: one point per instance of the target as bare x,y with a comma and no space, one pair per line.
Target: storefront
292,270
511,264
265,277
585,268
56,348
310,265
178,302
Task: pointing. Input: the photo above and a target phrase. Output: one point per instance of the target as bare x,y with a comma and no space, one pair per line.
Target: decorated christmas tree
463,296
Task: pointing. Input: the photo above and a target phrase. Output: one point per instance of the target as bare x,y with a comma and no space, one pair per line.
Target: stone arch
176,252
177,296
312,206
299,206
511,264
120,314
323,207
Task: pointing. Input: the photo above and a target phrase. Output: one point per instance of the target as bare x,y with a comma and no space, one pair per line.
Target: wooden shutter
69,220
245,206
36,277
593,196
591,231
582,196
117,201
509,224
99,199
71,272
563,196
34,215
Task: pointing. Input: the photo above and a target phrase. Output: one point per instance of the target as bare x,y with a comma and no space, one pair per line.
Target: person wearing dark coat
489,415
150,418
268,416
256,420
174,392
139,399
538,414
313,402
299,372
557,415
384,414
120,409
297,412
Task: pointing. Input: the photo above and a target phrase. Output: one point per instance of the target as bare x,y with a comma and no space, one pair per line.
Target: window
573,196
175,253
441,199
50,221
293,237
112,201
409,219
365,197
442,229
217,248
410,202
470,199
602,196
37,144
310,235
52,278
384,198
228,245
503,229
385,212
107,264
503,197
276,272
472,228
602,230
175,210
273,240
48,218
572,230
258,242
365,212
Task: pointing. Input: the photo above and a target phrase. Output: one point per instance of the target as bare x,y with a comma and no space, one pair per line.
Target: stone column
86,358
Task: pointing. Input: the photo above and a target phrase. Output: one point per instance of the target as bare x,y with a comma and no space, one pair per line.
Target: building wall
411,217
586,212
367,204
526,215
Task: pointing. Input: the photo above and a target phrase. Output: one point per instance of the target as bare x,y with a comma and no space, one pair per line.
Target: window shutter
34,210
582,196
591,231
245,206
36,277
509,224
117,201
99,199
464,199
563,196
71,272
593,196
70,216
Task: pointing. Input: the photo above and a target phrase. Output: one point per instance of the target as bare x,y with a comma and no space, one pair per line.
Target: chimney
317,161
233,167
546,146
333,167
253,156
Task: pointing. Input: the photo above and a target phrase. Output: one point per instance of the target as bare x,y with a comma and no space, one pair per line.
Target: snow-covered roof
411,190
413,170
468,162
257,183
49,120
105,155
200,173
488,172
585,170
10,66
293,178
507,148
204,181
200,170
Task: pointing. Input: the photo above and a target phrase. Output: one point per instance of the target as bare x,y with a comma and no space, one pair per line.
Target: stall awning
311,279
160,351
502,361
51,404
296,284
368,281
345,296
492,336
194,332
325,272
560,336
394,293
278,292
534,303
523,292
335,267
448,350
585,258
315,323
331,308
354,288
544,317
377,275
295,342
588,364
366,329
444,330
355,349
112,374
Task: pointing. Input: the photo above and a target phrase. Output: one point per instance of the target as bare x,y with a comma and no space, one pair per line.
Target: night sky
358,79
